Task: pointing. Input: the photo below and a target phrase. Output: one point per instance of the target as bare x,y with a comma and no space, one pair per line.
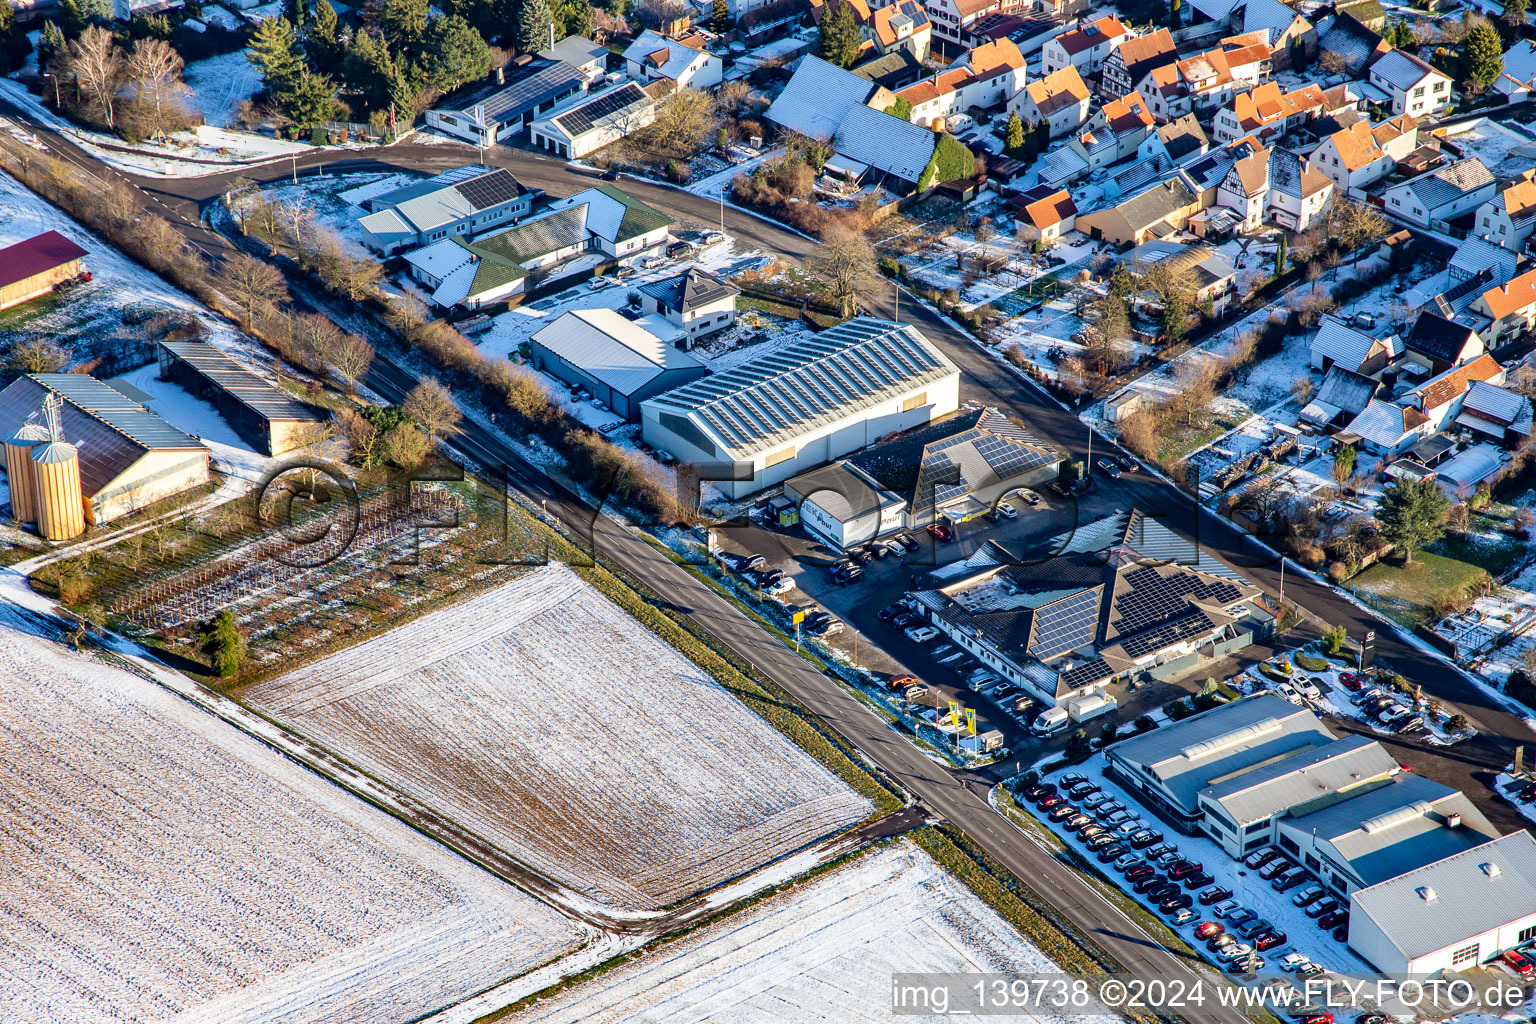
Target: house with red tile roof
1266,112
989,75
1059,99
1512,308
1084,47
1364,153
1509,218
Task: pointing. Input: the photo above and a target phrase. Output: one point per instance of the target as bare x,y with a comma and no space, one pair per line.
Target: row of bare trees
105,78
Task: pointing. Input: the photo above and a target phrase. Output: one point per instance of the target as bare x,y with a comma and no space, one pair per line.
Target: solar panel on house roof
490,189
1066,625
579,120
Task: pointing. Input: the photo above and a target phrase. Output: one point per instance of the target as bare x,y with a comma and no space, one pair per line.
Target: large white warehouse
805,404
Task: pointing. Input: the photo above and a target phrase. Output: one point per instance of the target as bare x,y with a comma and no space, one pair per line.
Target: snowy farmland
554,725
823,951
160,864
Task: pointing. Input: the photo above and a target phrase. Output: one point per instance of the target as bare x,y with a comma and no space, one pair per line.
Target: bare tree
351,358
433,409
253,286
845,261
154,68
97,66
1302,389
361,436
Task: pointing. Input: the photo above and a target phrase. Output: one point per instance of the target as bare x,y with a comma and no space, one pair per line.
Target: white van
1051,722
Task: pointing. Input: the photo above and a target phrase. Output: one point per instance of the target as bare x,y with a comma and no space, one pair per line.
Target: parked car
743,563
1137,872
920,634
848,574
1033,792
1182,916
1307,895
1289,880
1162,892
1198,880
1259,858
1160,849
1103,811
1127,861
1146,883
1145,838
1341,934
1226,908
1115,817
1293,962
1184,867
1108,467
1215,894
1089,831
890,612
1172,903
1126,463
941,532
1246,965
1248,929
1337,919
1078,789
1114,851
1238,916
1097,800
1235,951
1003,510
1077,822
1061,812
1030,497
917,692
1101,840
1318,1018
906,619
780,587
1275,867
1309,688
1130,828
1209,929
1220,941
1321,907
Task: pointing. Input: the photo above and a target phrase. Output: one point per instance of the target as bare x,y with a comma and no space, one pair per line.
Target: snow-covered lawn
1302,934
824,951
1504,150
219,84
545,719
332,200
160,864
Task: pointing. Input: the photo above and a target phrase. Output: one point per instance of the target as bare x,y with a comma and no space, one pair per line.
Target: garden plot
161,864
549,722
825,950
332,200
1494,634
1302,934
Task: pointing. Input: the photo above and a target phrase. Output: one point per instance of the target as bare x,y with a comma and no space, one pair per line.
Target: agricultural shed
37,266
263,415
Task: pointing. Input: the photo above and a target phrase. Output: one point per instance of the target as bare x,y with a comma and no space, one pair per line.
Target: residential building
1115,133
987,76
603,221
772,417
262,414
37,266
952,18
1132,60
699,303
460,203
1299,193
1122,598
896,70
1362,154
1173,143
1199,84
589,123
1497,412
819,95
1046,214
1441,194
1510,308
1415,88
902,26
1341,397
618,361
684,62
1281,28
1266,113
1338,343
894,147
1059,99
1440,344
129,458
1509,217
1391,427
1211,274
580,53
1152,213
1518,79
1245,188
1450,915
1085,47
514,100
1352,44
1480,261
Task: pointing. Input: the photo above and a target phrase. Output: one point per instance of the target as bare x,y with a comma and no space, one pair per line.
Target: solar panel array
579,120
1192,624
943,467
1153,596
1066,625
490,189
849,367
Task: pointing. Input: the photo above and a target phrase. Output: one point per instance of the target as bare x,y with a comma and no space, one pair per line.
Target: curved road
959,796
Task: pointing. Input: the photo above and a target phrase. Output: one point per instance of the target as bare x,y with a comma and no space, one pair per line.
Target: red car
1048,801
1318,1018
941,531
1268,940
1209,929
1215,894
1259,858
1519,963
902,682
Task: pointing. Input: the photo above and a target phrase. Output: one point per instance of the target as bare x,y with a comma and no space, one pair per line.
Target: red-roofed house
1509,218
987,76
1085,47
1512,309
1115,133
952,17
1046,215
1059,99
37,266
1266,112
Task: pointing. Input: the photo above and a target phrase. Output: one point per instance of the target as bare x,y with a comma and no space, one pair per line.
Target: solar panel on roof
490,189
580,120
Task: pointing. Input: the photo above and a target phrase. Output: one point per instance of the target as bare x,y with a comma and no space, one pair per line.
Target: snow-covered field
824,951
219,84
549,722
1302,934
160,864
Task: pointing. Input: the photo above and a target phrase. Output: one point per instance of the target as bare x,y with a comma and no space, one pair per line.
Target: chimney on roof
501,75
1453,821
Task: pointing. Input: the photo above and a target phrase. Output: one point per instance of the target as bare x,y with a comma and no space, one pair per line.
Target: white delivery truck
1089,706
1051,722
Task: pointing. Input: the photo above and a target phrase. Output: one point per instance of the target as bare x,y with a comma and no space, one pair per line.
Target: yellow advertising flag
970,719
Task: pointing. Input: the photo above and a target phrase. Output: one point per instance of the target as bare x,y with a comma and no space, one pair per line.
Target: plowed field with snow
823,951
547,720
156,863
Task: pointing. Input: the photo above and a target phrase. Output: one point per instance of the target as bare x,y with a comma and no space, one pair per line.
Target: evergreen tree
573,18
533,22
1120,284
311,100
297,13
1175,14
1484,55
223,644
1515,12
485,15
1014,143
454,53
404,23
322,39
720,18
72,17
1282,256
840,36
51,45
1174,313
401,97
274,51
901,108
1412,513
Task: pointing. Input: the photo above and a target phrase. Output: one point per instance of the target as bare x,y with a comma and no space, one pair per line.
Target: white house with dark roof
590,122
699,303
683,62
1441,194
580,53
463,202
1416,88
782,413
516,98
1518,79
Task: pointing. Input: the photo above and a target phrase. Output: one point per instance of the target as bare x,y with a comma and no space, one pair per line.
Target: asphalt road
959,796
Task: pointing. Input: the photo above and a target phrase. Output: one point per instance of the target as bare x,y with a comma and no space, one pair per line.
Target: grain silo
18,470
60,509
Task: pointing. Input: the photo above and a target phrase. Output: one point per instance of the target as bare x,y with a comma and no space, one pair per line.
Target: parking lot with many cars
1262,914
